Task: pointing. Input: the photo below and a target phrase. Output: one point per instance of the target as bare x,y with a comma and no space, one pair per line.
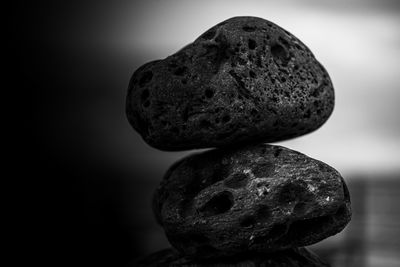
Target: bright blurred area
94,48
358,42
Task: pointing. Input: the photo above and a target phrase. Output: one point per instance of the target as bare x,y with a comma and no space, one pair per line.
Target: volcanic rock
244,80
257,198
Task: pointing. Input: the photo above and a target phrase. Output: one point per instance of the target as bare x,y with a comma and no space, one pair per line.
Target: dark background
74,61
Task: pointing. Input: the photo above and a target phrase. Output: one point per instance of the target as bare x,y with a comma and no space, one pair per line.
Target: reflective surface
371,239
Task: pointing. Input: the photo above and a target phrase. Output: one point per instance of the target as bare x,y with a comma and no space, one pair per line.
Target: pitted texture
298,257
245,79
259,198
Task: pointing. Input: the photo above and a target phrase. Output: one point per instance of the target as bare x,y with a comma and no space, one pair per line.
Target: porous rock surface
257,198
297,257
245,79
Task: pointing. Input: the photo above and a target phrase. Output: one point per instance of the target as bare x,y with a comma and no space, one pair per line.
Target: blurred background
76,60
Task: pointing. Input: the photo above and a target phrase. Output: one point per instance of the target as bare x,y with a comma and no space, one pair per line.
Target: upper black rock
245,79
258,198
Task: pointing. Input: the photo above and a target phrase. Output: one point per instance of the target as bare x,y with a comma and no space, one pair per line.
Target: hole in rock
252,74
279,53
252,44
218,204
263,184
226,118
290,192
247,28
209,93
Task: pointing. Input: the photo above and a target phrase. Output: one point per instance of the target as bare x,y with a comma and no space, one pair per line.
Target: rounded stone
244,80
258,198
297,257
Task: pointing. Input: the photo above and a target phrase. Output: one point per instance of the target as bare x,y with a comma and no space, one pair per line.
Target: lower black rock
297,257
258,198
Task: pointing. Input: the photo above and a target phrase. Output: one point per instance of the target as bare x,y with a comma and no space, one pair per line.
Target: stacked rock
243,82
